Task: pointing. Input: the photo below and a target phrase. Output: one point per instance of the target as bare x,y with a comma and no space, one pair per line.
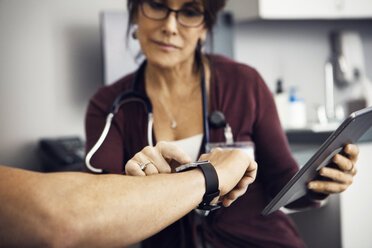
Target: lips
166,46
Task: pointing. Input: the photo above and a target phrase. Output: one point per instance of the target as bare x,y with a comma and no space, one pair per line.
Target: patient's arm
78,209
83,210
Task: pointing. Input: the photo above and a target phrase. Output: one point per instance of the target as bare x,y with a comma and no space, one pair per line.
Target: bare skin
160,164
84,210
341,177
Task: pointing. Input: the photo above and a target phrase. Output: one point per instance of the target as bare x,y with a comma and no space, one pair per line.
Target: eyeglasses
187,17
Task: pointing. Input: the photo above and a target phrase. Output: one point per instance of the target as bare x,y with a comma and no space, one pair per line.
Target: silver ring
143,166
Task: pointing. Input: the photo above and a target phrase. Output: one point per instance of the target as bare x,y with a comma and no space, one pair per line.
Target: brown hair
211,9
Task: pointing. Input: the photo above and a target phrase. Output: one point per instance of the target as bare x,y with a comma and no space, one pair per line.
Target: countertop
311,136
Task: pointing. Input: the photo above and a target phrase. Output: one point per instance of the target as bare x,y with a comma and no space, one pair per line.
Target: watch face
190,166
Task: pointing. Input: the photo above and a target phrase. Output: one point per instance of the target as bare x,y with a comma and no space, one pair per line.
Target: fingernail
311,185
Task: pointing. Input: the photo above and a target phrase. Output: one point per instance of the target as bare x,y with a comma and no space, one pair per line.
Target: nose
170,24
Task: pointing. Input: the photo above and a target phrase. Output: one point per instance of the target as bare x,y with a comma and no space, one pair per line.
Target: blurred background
315,56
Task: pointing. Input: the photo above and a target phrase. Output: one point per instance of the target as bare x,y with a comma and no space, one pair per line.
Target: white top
190,145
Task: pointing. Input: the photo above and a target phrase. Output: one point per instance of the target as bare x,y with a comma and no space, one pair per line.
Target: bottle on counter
296,111
281,99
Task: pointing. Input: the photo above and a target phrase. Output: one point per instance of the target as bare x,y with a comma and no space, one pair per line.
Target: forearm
84,210
138,207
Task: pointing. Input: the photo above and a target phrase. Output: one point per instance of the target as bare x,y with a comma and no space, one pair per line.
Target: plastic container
281,99
296,111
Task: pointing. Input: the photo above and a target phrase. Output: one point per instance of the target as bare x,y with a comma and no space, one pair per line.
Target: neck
174,79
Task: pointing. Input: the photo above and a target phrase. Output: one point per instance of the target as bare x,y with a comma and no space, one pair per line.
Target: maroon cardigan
247,103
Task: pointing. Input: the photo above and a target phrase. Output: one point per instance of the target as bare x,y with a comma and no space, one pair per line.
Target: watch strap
211,185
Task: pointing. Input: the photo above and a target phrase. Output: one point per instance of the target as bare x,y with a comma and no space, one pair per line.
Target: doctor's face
169,38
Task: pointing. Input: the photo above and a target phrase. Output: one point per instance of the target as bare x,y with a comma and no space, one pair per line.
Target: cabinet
299,9
356,203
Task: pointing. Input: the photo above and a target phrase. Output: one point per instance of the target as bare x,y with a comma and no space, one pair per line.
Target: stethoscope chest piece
217,120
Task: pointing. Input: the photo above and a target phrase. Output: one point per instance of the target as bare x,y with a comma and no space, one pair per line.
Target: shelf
244,10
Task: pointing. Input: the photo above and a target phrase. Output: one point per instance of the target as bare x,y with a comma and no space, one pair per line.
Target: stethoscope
216,119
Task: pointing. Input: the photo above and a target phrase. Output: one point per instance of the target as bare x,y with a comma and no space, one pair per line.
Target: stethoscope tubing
98,145
133,95
205,111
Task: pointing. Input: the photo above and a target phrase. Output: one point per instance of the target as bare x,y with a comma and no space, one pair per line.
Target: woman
170,34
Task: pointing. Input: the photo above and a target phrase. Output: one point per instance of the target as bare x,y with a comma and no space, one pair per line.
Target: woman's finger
226,202
237,192
242,186
352,151
203,157
326,187
251,171
244,183
343,162
229,198
152,154
132,168
151,170
208,156
172,152
337,175
234,194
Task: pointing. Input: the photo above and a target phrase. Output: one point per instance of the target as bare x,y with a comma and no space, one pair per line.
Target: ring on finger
143,166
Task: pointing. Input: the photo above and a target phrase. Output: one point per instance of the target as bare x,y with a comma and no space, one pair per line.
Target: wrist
211,186
197,187
211,183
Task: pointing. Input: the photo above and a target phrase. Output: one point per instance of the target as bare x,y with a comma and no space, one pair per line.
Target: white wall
50,64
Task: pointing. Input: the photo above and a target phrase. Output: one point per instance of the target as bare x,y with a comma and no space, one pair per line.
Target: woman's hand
341,177
153,160
230,165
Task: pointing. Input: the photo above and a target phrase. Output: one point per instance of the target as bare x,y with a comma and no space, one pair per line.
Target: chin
164,60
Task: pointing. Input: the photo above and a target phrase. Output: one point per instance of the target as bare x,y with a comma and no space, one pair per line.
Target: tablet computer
350,131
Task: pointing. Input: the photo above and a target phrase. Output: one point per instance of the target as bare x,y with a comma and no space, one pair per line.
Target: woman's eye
191,13
157,6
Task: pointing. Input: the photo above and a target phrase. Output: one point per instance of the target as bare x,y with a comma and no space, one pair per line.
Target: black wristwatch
211,183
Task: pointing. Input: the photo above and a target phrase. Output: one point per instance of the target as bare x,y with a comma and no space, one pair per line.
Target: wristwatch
211,183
